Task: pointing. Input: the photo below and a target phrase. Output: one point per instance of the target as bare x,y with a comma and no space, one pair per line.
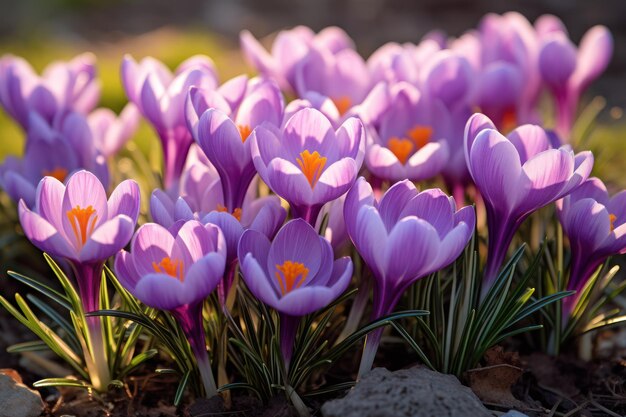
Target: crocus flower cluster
237,158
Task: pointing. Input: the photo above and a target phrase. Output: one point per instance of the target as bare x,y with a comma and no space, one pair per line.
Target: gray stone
415,392
16,399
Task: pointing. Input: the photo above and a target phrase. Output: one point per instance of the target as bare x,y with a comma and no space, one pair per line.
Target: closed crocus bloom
308,163
221,125
295,274
111,132
176,273
603,233
289,49
403,237
408,143
160,97
568,71
56,151
77,223
517,175
62,87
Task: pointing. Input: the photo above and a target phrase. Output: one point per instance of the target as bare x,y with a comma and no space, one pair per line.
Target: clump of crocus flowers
237,158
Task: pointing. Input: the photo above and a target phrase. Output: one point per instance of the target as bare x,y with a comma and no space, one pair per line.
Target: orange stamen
612,218
172,267
58,173
82,222
236,213
244,131
509,120
401,148
312,165
291,275
420,135
343,104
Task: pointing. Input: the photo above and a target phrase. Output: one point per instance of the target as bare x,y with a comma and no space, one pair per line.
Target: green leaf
61,382
42,288
180,391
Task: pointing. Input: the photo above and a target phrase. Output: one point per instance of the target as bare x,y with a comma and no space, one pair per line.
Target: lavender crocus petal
393,202
160,291
456,240
324,272
195,240
108,239
19,188
495,167
221,142
435,207
230,227
151,92
381,162
254,243
544,177
256,280
476,124
288,181
616,206
305,300
594,54
125,270
557,62
310,129
202,278
234,90
593,188
583,164
548,24
428,161
264,104
369,236
43,235
151,243
335,180
182,211
161,208
125,200
269,219
529,140
255,54
410,238
264,147
334,39
360,194
296,241
351,140
595,219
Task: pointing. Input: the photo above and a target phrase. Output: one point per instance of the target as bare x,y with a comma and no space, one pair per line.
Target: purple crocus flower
77,223
517,175
308,163
603,233
63,86
160,97
295,274
289,50
403,237
201,199
568,72
408,143
176,274
55,151
110,132
393,62
222,129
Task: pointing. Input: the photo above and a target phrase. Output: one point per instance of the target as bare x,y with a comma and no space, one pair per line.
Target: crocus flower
77,223
160,97
201,199
403,237
222,130
308,163
63,86
568,71
56,151
176,274
408,143
517,175
596,228
110,132
394,62
289,49
295,274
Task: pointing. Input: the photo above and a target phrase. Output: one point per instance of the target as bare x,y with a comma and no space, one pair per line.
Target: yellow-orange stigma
420,135
236,213
290,275
58,173
612,218
172,267
401,148
311,165
82,222
343,104
244,131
